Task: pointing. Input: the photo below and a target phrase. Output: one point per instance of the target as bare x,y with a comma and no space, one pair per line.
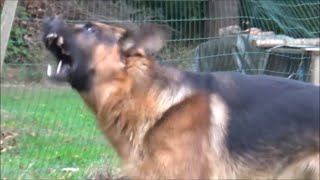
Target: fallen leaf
7,141
70,169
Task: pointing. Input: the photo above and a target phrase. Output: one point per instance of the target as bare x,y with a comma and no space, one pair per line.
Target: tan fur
305,168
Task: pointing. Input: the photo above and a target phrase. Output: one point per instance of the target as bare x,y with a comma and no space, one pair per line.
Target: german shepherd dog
170,124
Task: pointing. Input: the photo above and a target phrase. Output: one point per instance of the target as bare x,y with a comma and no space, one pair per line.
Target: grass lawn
54,131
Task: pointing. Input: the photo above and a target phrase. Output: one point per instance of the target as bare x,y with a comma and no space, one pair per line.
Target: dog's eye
90,28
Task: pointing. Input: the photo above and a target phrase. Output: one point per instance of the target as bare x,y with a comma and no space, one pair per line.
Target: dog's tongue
61,72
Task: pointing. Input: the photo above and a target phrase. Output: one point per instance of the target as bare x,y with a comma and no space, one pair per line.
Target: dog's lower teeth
49,70
60,41
59,66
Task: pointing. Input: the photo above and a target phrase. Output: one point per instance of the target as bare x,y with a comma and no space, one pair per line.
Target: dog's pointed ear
148,40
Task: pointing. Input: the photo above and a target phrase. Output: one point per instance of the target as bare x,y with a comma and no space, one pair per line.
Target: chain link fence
47,132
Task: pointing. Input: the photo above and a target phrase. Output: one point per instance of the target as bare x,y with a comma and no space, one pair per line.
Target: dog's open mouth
57,45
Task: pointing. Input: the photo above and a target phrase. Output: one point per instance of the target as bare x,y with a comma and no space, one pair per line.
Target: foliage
295,18
185,17
19,50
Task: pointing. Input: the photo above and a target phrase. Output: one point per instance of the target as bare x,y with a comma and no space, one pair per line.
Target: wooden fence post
7,17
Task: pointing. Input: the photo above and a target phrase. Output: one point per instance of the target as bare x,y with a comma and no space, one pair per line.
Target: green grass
55,131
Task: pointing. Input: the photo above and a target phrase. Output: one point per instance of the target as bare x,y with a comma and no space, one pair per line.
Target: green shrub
295,18
17,49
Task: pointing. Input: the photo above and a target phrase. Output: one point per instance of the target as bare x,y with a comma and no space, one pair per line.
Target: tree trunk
221,13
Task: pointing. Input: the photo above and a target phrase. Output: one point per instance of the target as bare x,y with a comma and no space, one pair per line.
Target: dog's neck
126,110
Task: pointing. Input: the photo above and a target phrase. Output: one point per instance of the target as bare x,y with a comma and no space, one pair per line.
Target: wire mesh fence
45,128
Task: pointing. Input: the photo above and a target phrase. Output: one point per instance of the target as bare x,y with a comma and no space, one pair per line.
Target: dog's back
272,124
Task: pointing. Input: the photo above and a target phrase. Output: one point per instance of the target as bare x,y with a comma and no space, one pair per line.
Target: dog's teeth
52,35
49,70
59,67
60,41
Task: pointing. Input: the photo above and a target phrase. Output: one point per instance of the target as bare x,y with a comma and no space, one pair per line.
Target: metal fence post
315,66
